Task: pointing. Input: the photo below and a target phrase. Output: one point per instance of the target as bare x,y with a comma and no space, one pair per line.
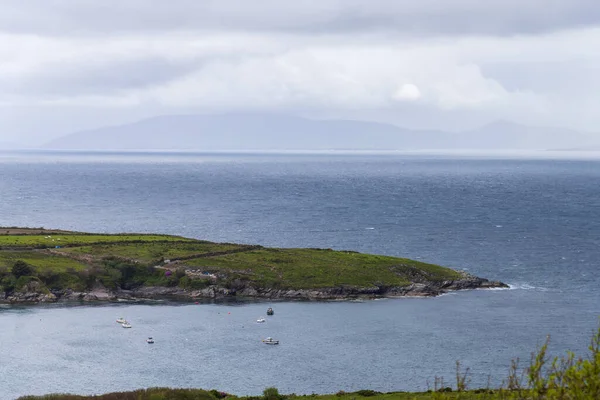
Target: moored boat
270,340
150,340
126,325
121,320
260,320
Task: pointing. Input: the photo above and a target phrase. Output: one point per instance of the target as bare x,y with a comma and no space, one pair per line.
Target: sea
529,220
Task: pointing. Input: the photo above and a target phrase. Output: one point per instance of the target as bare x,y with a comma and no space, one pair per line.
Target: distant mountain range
284,132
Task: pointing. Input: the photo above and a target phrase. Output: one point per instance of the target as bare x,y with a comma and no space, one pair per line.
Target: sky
444,64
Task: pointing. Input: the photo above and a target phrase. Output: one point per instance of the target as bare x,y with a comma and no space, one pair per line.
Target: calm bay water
534,224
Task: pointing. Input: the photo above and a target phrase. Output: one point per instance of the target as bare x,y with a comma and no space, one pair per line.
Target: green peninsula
42,265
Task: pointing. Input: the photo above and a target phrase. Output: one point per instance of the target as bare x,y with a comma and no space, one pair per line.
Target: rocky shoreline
101,294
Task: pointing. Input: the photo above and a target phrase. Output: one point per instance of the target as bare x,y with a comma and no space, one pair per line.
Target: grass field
40,261
36,241
131,260
314,268
147,252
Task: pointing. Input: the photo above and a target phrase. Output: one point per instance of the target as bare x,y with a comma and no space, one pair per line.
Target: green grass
315,268
40,261
147,252
127,261
80,239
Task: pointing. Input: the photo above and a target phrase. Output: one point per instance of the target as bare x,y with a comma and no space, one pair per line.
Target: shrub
63,280
180,273
367,393
217,394
25,281
21,268
8,284
271,393
194,284
88,277
110,278
566,377
185,282
172,281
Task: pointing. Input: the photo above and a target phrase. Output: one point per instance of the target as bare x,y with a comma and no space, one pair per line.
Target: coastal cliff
430,289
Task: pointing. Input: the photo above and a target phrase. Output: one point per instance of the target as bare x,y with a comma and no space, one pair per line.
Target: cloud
230,70
465,60
408,92
424,17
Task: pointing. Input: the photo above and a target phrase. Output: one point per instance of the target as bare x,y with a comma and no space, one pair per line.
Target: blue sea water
532,223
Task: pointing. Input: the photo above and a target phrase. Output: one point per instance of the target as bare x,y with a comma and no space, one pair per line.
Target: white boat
121,320
270,340
261,320
126,325
150,340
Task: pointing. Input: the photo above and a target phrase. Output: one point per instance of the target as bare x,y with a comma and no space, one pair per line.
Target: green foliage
272,393
462,378
193,284
21,268
118,273
128,262
23,281
78,281
566,377
180,273
367,393
315,268
71,239
40,260
153,252
8,283
217,394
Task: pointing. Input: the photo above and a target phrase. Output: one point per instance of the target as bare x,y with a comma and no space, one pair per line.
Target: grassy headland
45,265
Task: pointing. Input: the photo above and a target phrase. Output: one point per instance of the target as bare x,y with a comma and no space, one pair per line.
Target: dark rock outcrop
416,289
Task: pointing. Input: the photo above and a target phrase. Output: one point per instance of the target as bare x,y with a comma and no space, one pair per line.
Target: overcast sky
67,65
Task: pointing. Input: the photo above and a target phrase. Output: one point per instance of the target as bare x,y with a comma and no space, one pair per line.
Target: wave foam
525,286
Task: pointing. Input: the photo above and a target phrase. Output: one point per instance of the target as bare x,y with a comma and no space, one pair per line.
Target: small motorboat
121,320
126,325
261,320
270,340
270,311
150,340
